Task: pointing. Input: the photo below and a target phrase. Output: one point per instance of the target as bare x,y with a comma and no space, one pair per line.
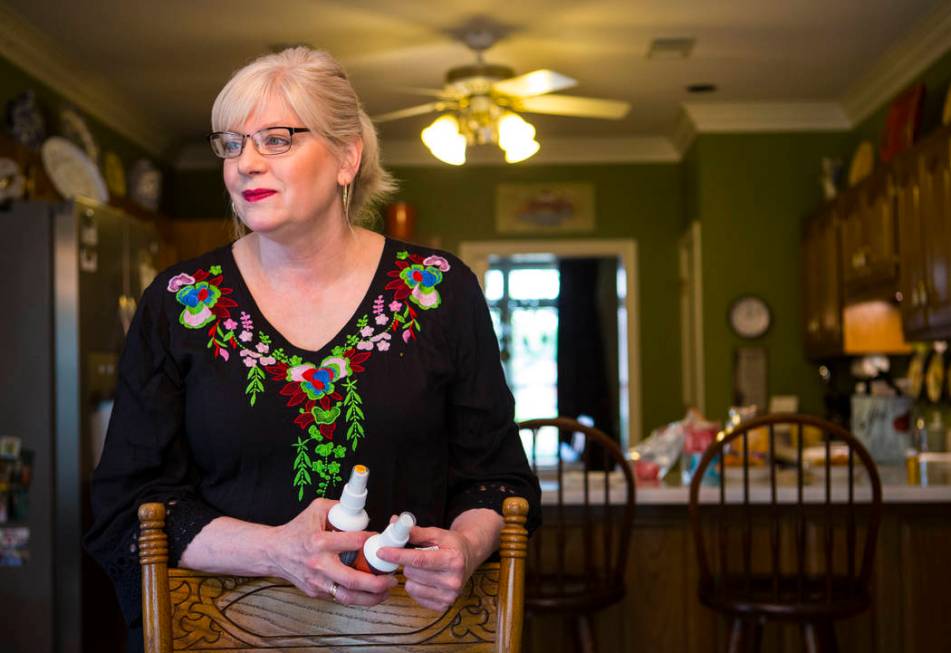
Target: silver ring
333,591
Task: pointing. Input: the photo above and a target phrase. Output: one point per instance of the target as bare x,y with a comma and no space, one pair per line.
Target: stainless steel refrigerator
71,274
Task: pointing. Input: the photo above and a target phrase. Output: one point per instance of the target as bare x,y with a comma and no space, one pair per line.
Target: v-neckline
253,307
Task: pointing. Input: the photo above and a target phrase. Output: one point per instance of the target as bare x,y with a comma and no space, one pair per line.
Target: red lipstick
257,194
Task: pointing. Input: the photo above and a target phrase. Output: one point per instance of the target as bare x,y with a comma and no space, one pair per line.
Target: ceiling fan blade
410,111
418,90
534,83
569,105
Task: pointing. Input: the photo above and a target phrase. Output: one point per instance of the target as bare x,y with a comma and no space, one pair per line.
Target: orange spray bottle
395,535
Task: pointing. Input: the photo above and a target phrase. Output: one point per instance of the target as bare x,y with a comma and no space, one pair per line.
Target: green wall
750,193
643,202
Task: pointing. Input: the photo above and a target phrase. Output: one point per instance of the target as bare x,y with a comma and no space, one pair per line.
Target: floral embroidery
416,278
320,392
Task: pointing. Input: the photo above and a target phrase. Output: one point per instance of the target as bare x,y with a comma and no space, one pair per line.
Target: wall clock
749,316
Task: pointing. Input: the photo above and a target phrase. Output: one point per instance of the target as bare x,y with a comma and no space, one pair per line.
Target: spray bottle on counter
349,515
395,535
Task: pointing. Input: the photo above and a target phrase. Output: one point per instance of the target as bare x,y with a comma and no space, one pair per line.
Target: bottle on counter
936,432
395,535
349,515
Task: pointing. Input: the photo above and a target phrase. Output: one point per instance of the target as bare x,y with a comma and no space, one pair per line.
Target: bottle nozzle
397,533
358,478
354,495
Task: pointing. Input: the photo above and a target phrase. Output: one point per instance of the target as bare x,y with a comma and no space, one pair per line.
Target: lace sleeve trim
184,519
490,496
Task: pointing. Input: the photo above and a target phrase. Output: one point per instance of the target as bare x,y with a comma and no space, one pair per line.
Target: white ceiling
164,62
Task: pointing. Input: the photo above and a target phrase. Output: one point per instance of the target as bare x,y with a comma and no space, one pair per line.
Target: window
541,288
522,297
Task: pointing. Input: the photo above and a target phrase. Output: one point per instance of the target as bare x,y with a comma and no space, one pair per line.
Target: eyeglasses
268,141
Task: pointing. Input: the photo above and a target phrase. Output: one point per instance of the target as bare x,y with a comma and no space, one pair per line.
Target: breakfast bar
661,611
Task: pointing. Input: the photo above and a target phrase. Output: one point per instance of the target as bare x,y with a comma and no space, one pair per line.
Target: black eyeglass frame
244,139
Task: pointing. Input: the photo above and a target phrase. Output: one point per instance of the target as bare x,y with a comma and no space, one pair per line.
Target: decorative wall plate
25,120
863,161
12,182
916,374
145,184
71,171
75,129
934,377
114,174
901,125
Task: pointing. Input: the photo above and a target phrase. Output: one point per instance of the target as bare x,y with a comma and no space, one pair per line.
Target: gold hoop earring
347,196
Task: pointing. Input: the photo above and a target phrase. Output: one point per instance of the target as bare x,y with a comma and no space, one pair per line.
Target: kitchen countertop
895,489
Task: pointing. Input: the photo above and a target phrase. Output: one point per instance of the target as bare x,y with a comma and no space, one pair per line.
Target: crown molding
37,54
684,133
899,65
626,149
745,117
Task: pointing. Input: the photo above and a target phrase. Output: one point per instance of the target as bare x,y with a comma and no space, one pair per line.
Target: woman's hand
434,578
300,551
309,556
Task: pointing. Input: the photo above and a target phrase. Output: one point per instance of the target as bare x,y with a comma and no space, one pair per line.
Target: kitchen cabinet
890,237
869,239
822,295
923,193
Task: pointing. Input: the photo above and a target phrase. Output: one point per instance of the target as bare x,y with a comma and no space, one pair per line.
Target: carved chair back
195,611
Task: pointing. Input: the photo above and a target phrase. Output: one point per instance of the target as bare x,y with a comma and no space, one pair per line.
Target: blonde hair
315,86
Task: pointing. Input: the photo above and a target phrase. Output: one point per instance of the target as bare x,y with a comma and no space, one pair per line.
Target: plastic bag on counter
655,455
883,425
699,434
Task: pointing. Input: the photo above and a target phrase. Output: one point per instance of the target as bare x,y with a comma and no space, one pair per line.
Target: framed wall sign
540,208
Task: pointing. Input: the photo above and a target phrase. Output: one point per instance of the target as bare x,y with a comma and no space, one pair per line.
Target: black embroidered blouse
216,414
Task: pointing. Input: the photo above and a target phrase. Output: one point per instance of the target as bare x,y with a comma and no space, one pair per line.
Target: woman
257,375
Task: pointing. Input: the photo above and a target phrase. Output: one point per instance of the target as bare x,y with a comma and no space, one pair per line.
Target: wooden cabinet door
869,239
879,255
830,284
854,264
822,286
934,182
910,246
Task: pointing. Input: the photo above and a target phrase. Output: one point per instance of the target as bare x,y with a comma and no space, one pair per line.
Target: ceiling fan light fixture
514,130
516,137
444,140
522,151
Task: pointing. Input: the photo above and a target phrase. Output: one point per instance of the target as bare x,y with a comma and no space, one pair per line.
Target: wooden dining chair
185,610
800,553
578,559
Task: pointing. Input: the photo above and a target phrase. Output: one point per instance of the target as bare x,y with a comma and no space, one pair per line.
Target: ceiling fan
481,102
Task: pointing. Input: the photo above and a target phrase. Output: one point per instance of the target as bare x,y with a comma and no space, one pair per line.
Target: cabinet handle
922,293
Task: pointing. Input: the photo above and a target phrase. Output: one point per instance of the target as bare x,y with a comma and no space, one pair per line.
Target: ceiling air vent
679,48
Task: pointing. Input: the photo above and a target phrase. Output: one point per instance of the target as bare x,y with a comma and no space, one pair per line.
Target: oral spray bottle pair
350,515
